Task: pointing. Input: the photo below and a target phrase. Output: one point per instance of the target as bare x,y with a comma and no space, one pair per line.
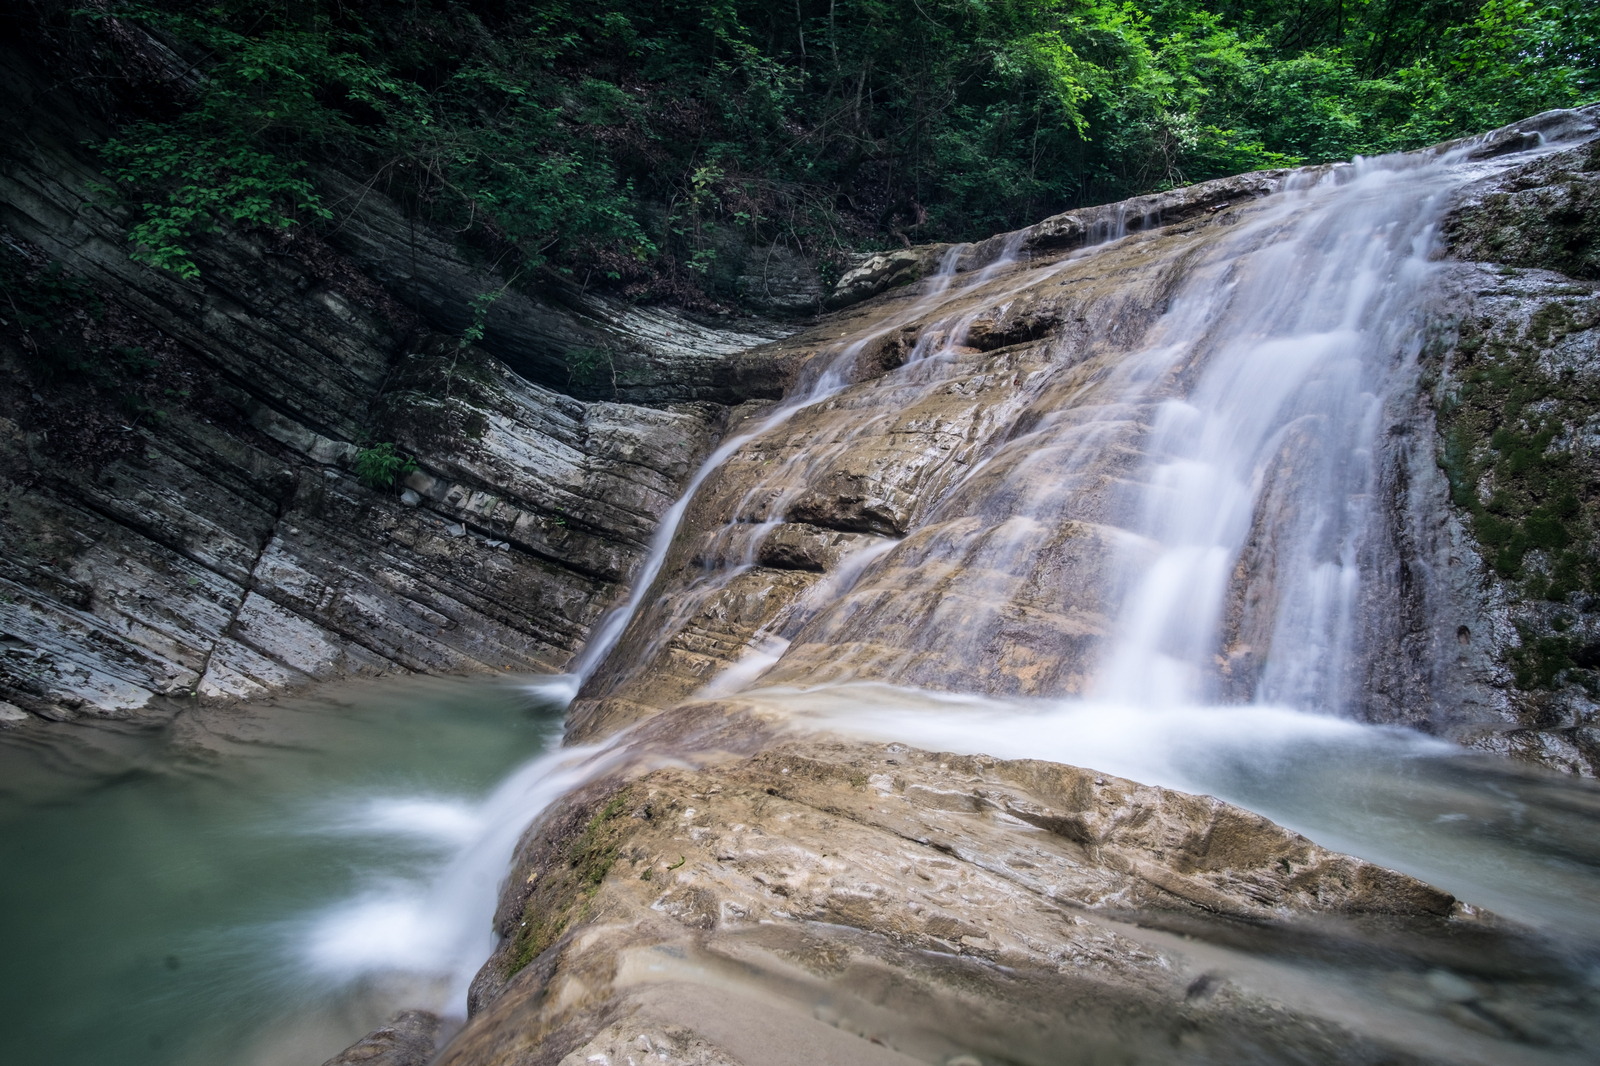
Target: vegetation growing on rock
1512,450
379,465
1516,420
565,884
638,144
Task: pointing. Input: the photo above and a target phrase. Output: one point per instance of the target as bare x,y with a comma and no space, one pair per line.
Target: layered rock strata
209,535
866,902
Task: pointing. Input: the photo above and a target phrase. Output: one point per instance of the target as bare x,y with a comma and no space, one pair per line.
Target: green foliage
1508,428
479,306
569,881
1541,661
590,366
621,143
379,466
207,184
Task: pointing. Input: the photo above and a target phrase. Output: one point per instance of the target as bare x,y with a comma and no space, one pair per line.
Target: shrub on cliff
625,143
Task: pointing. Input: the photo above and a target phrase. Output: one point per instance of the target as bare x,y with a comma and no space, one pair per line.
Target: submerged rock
407,1039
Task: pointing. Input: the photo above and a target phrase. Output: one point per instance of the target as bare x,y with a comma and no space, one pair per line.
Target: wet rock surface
408,1039
949,908
878,903
873,462
922,453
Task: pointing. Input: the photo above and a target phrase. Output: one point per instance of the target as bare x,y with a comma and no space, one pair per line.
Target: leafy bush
614,142
380,466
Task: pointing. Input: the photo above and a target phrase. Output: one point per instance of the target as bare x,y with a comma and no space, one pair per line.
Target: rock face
912,457
967,457
407,1039
214,539
1513,377
589,345
805,897
877,903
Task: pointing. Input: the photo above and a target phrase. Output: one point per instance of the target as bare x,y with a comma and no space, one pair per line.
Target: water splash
437,927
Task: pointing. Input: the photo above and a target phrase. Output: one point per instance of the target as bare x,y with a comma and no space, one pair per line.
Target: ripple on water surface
259,885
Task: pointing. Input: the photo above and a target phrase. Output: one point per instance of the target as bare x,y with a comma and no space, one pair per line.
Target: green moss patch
566,887
1508,427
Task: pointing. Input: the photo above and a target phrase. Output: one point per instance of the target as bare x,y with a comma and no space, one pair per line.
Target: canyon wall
205,534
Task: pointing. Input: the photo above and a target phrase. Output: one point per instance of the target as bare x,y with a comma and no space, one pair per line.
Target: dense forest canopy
622,139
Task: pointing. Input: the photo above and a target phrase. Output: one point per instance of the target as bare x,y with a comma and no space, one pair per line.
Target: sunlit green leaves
625,138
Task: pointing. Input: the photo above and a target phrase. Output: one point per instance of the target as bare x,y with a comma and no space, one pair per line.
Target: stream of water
262,886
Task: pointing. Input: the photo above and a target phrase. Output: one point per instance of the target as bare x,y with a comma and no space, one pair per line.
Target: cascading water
1268,388
263,885
823,383
1191,507
1146,546
1245,419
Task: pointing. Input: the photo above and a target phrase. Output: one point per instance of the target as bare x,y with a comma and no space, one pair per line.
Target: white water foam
1494,835
438,926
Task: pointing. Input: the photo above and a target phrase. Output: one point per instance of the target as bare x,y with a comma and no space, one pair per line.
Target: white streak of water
438,926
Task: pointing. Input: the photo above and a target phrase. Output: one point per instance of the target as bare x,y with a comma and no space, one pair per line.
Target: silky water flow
1192,502
1202,510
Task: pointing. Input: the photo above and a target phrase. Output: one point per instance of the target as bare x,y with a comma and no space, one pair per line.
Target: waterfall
1267,383
816,386
1185,512
1152,556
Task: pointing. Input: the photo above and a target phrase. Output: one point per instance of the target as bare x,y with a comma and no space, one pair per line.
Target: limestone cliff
182,515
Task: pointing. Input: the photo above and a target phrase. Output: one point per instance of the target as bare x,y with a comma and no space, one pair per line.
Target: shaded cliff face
182,512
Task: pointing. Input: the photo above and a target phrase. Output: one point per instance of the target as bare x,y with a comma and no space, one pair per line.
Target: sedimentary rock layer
217,541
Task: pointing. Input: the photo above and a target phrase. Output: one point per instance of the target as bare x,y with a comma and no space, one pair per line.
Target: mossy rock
1511,420
566,885
1545,215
